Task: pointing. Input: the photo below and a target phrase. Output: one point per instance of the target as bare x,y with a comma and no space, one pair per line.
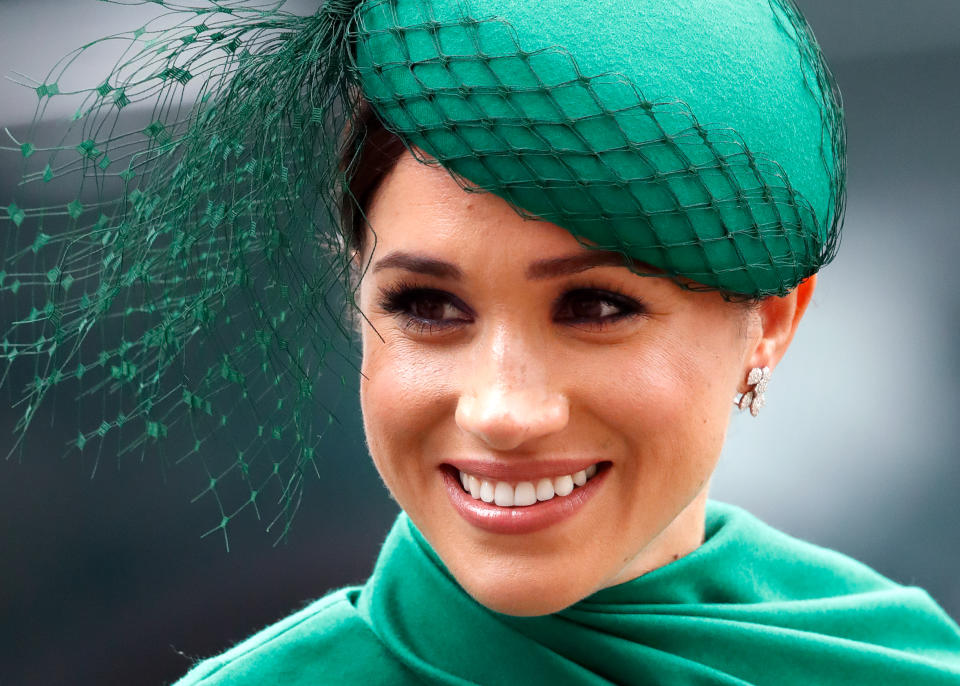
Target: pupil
428,307
587,307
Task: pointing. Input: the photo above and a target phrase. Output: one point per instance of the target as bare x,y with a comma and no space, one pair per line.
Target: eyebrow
539,270
421,264
574,264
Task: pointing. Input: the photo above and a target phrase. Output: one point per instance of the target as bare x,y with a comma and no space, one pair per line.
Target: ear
779,318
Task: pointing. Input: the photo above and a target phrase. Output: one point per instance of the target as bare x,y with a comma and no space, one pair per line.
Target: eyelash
629,307
399,299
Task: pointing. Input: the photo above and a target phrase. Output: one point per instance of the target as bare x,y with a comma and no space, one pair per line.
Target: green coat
750,606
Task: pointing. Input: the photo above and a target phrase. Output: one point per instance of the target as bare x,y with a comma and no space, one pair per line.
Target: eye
595,307
431,305
425,309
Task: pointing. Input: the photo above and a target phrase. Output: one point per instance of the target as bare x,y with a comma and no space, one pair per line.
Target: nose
508,398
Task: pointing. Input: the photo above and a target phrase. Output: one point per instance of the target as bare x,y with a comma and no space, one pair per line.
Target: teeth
486,491
503,494
525,493
563,485
545,489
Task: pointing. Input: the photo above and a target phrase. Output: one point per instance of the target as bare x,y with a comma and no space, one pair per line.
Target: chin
521,590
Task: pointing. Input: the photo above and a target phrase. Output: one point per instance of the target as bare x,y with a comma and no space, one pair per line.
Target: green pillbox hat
701,137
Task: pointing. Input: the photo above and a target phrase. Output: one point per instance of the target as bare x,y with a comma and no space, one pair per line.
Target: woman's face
507,362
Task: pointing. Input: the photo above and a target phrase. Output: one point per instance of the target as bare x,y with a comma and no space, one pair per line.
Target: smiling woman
504,360
567,262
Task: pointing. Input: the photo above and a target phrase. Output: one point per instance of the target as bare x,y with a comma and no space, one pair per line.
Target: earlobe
779,318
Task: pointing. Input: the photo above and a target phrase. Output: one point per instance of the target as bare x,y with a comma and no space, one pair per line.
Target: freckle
676,556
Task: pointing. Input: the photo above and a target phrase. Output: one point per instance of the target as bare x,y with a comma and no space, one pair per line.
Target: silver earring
755,398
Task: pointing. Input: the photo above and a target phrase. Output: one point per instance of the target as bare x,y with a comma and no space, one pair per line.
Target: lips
524,493
512,500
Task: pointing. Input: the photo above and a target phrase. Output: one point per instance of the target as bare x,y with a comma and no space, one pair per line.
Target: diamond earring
754,398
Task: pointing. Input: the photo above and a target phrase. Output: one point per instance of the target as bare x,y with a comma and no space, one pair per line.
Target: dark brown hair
369,156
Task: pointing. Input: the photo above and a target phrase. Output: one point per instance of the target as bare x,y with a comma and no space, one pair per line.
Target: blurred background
108,579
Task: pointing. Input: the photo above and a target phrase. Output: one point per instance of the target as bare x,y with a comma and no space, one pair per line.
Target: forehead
421,206
420,210
420,214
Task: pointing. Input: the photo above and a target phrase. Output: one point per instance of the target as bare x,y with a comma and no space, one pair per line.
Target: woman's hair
368,157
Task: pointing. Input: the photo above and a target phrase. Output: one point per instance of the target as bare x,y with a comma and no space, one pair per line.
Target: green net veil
174,255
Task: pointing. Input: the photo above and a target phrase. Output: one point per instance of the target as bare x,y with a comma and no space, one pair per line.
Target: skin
502,369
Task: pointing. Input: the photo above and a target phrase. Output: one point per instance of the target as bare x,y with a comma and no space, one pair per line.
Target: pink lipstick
488,503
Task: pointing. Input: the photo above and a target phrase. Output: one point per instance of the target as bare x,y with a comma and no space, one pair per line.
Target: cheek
671,400
403,393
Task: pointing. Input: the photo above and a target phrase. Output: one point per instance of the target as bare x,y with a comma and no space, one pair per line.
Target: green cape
750,606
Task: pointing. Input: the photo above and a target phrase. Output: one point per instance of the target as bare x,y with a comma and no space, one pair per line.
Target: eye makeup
426,309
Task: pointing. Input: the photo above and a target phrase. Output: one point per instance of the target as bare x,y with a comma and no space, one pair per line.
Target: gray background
108,581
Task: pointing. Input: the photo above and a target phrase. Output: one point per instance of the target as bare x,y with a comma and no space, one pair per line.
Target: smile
524,493
503,499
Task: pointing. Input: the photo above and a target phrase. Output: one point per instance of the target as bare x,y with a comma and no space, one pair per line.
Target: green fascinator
702,138
174,255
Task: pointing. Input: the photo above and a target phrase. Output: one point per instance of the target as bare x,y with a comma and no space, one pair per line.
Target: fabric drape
750,606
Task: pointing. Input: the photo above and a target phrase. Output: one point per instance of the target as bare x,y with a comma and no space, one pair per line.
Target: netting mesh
173,257
190,283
